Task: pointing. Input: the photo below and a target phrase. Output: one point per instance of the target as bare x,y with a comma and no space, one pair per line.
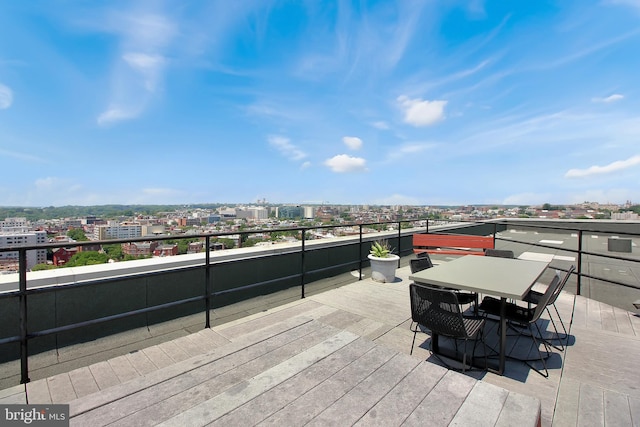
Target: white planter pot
384,269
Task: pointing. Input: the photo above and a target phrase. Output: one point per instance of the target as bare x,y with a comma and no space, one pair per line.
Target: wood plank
104,375
482,406
158,357
174,370
444,400
123,368
520,410
210,339
594,318
13,395
188,346
357,402
634,409
590,406
623,322
83,381
567,403
266,319
223,403
141,362
616,409
173,351
60,388
278,397
312,403
165,399
608,318
405,397
38,392
635,324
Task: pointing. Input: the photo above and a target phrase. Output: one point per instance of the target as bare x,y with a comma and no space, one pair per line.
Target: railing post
360,254
302,259
495,231
24,349
579,280
207,284
399,244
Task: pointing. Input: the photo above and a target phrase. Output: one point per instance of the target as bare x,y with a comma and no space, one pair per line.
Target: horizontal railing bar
91,282
116,316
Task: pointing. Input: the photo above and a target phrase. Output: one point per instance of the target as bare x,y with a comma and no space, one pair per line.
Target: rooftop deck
342,356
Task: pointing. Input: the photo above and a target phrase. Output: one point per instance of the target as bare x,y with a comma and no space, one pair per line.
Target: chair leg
542,359
564,329
557,335
415,332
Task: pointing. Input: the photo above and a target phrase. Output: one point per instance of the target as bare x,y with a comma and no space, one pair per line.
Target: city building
114,230
23,238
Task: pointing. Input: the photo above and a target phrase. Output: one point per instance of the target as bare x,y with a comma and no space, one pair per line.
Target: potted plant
383,262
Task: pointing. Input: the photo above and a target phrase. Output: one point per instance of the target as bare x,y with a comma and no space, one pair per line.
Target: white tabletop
500,277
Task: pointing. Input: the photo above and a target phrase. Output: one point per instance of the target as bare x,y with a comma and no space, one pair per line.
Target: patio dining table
505,278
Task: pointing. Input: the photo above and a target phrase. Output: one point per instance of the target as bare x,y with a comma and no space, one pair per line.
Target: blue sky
348,102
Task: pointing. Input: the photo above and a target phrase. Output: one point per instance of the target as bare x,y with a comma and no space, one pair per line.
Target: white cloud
353,142
612,98
115,114
598,170
380,125
409,149
345,163
150,66
632,3
285,147
58,185
418,112
6,97
144,38
305,165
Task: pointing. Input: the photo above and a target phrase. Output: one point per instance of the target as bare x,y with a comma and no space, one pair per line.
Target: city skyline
375,102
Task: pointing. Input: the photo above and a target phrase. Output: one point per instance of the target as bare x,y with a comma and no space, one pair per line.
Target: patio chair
423,262
526,317
534,297
438,310
500,253
419,264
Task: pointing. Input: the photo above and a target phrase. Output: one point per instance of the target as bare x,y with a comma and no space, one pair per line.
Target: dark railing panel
63,315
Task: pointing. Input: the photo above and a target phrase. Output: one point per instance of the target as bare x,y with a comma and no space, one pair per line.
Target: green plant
381,249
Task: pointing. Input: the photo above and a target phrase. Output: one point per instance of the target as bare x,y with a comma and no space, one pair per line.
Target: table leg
435,345
503,334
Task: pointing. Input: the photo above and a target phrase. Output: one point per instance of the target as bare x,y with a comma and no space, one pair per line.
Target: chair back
500,253
561,285
420,264
545,298
437,310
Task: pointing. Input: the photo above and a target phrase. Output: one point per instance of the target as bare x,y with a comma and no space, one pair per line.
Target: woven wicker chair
439,311
500,253
422,262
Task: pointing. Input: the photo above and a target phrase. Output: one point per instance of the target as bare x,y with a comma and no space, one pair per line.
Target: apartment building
117,231
11,238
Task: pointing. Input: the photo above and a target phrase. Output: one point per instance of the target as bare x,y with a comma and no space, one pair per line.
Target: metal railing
579,251
24,292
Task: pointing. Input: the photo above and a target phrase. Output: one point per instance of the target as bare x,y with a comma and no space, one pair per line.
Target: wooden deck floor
342,356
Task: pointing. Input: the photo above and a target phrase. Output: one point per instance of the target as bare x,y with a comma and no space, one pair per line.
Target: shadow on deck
343,355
